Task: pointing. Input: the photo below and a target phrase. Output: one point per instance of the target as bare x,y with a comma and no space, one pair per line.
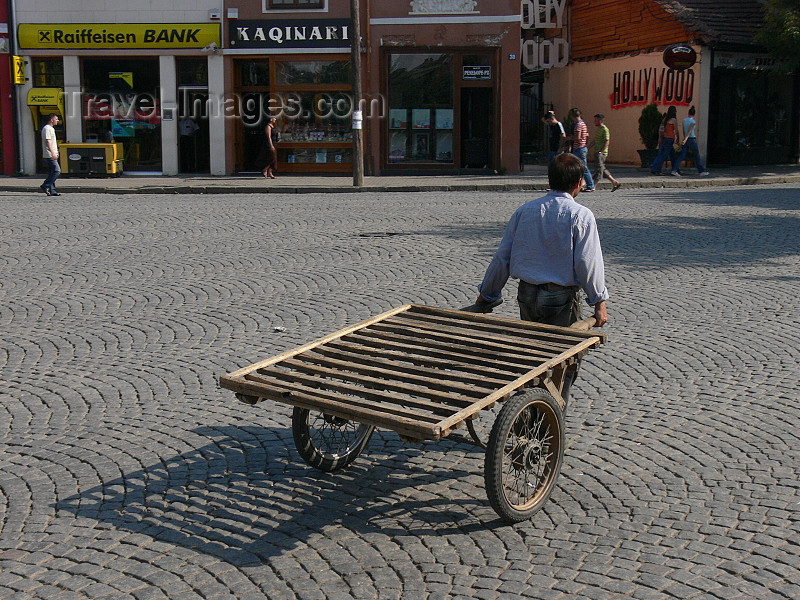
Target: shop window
420,108
48,72
312,102
121,103
296,3
192,71
254,73
313,72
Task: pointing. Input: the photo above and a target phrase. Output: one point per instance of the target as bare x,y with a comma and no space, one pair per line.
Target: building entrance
193,138
477,125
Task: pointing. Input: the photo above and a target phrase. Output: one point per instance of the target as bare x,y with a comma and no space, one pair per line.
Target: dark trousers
553,307
53,171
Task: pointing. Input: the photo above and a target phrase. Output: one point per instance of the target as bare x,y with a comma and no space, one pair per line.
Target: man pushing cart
424,372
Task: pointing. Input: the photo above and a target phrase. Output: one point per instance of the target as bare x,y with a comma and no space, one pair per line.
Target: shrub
649,122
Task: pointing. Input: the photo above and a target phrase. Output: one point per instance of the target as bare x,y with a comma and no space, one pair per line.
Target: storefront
428,94
131,83
754,121
12,71
446,83
298,71
747,112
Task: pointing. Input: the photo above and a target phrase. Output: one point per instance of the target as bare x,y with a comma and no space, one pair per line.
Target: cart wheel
326,442
480,426
524,457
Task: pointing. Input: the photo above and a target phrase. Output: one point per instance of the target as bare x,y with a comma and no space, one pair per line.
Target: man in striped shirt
580,133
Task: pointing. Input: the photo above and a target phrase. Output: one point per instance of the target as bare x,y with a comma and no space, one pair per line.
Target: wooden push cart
424,372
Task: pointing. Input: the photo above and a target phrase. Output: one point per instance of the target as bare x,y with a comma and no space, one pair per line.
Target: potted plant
649,122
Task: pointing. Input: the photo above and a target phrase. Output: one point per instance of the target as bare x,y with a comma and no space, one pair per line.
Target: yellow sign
126,76
108,36
18,70
47,99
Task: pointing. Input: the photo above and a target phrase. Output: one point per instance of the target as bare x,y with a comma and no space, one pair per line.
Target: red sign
652,86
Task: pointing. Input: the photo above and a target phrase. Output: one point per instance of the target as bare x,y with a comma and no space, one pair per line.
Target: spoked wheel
524,456
480,426
327,442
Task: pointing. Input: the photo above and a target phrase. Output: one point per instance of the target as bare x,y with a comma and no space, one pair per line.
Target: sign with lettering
741,60
653,86
18,74
476,73
306,33
109,36
547,53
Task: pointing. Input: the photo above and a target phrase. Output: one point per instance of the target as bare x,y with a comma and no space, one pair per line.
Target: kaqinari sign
653,86
108,36
327,33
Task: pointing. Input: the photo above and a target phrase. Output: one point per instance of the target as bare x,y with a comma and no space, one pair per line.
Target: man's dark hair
51,115
564,172
575,112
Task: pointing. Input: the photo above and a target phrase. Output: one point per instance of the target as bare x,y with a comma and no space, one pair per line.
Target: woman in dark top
270,147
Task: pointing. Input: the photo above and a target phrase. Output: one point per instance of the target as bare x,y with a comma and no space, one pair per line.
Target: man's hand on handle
600,314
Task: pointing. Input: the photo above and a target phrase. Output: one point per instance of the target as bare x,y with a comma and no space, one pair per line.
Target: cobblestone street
126,473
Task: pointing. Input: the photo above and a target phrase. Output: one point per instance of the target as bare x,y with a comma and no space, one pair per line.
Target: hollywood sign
549,53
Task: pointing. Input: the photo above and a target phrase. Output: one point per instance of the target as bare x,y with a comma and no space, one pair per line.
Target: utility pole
355,52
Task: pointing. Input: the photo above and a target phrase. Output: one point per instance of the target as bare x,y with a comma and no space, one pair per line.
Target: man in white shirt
50,154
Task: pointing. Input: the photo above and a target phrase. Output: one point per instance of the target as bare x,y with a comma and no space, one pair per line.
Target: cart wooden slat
418,370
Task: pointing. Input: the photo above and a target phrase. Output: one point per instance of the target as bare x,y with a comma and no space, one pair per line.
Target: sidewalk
534,177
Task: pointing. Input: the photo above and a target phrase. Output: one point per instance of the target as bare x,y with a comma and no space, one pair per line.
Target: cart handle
584,325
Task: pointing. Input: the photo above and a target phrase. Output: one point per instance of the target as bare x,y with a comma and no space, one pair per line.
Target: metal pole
355,53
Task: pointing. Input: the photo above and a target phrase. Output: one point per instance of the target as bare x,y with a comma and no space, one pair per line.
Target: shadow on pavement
706,241
256,499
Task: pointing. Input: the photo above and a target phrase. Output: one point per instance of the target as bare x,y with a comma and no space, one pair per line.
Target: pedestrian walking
50,155
668,136
557,137
552,246
269,152
690,143
602,139
580,135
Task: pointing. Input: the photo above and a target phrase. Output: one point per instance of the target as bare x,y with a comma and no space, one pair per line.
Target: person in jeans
602,138
50,155
580,134
690,143
552,246
668,135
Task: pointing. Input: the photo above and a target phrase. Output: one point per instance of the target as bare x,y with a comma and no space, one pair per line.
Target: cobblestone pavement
126,473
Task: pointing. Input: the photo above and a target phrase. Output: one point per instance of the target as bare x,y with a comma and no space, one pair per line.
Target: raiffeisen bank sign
109,36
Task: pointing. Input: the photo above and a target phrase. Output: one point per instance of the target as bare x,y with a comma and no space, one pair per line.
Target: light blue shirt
688,127
549,240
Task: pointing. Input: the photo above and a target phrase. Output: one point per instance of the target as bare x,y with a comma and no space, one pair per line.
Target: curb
405,188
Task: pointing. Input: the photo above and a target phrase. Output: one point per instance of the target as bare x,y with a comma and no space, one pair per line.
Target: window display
121,103
420,108
311,99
